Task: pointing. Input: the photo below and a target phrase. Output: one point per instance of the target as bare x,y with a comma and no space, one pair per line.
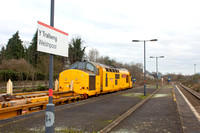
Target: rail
196,94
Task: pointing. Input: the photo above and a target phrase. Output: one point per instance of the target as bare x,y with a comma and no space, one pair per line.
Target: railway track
40,105
192,96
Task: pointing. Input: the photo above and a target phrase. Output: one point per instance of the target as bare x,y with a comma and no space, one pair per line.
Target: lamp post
194,68
157,67
144,60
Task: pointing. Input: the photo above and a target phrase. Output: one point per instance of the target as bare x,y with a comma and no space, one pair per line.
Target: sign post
52,41
169,79
50,107
134,79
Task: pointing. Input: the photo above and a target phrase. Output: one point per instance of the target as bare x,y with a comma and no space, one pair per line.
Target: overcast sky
111,25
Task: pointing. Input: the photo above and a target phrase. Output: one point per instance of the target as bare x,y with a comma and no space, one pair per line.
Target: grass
139,95
106,122
152,86
2,90
143,97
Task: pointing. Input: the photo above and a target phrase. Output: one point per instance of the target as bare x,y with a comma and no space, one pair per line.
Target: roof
106,66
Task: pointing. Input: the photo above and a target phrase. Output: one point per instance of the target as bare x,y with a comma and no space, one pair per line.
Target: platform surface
159,114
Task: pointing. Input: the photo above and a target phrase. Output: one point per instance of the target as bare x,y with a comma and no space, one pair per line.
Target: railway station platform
158,114
165,112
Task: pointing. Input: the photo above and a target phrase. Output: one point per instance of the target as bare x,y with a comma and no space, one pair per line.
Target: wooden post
56,85
9,87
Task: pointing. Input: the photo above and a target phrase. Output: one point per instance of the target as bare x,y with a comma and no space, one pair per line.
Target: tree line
19,63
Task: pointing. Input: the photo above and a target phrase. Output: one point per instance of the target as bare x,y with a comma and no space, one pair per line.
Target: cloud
110,26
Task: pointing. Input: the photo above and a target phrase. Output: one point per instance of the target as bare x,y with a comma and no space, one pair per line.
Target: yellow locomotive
91,78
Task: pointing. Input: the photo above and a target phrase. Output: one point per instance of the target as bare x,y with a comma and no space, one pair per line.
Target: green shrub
39,76
5,75
40,88
56,75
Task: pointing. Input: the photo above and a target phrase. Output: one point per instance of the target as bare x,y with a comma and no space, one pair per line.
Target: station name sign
51,40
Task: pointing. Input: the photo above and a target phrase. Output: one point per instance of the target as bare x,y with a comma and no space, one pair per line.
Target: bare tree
93,55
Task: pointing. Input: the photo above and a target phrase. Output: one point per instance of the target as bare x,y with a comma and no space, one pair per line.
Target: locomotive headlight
65,79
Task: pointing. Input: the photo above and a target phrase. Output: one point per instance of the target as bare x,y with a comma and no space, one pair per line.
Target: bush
39,76
40,88
5,75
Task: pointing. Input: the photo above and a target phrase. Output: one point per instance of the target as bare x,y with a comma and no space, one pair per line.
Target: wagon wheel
85,96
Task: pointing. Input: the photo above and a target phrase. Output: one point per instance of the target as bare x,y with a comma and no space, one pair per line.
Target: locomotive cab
80,78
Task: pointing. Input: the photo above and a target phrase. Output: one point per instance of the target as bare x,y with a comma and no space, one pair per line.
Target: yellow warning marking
173,94
174,97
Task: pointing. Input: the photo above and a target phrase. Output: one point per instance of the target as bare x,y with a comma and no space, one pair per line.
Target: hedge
5,75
